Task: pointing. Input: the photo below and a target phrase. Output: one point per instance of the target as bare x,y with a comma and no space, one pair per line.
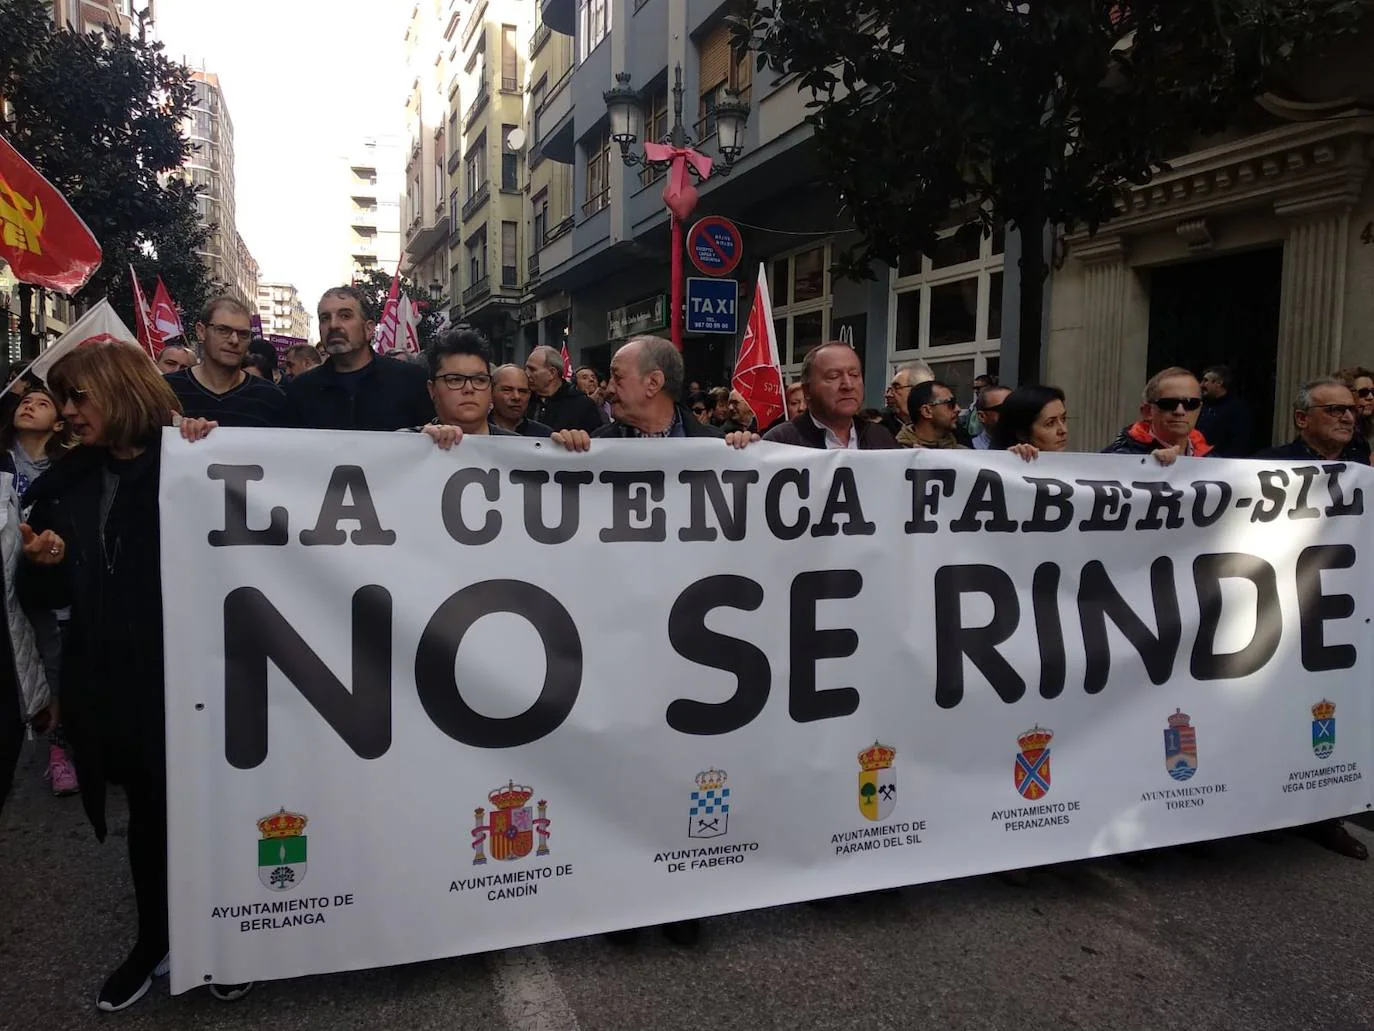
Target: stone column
1095,406
1311,305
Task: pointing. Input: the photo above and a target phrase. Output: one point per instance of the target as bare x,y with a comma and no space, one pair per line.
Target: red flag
389,327
166,321
148,336
42,238
567,361
758,372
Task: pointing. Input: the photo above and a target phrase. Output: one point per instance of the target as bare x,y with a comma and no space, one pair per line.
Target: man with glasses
934,412
701,405
912,374
1324,413
989,409
353,390
510,400
1167,428
218,388
1225,419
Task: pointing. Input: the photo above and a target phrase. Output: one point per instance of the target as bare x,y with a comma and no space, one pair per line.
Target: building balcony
540,37
477,291
455,159
477,20
532,268
423,237
553,123
478,103
364,218
559,15
474,202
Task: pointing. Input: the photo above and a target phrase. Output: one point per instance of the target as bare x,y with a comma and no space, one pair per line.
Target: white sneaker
231,992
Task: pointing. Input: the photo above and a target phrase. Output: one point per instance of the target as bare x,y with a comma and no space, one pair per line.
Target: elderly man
300,359
832,380
643,392
555,402
510,400
1167,427
912,374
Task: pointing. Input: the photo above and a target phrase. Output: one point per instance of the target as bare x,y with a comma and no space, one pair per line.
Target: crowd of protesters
79,472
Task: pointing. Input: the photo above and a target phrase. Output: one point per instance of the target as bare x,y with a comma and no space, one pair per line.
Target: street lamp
676,153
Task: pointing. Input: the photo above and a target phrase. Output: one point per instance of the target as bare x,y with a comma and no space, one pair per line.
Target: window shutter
714,58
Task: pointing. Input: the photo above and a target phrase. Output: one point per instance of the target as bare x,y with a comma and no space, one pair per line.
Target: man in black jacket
556,403
833,384
353,390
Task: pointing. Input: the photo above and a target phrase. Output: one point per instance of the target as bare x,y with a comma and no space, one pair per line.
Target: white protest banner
425,703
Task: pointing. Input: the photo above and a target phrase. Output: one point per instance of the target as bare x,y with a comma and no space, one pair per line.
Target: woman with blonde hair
93,541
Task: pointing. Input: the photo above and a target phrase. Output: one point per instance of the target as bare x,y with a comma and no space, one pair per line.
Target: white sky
304,80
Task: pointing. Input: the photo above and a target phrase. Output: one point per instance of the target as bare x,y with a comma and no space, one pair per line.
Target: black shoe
683,932
129,983
623,939
231,992
1014,878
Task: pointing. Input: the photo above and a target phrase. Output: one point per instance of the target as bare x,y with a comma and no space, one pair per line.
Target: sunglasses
698,410
73,394
1336,411
990,408
1365,392
1172,404
947,401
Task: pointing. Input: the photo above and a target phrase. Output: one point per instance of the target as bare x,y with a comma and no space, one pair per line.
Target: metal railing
540,37
533,267
477,291
597,202
478,198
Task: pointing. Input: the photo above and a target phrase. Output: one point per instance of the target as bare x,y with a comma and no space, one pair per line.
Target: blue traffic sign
712,305
715,246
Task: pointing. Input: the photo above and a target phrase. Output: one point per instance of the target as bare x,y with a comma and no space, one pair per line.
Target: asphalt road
1253,936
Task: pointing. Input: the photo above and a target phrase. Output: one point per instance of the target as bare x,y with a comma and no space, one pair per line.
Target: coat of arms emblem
1031,773
877,782
1323,728
1180,746
709,815
512,827
281,850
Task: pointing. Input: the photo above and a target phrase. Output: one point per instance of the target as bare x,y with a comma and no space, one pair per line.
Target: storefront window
801,294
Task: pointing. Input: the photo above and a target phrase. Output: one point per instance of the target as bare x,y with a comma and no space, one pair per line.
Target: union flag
758,372
41,237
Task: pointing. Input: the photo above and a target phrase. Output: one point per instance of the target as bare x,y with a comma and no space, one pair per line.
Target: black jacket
566,409
803,432
1298,450
390,395
690,428
1225,423
112,672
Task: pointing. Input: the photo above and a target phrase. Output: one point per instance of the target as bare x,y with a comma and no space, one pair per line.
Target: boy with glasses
1169,409
219,388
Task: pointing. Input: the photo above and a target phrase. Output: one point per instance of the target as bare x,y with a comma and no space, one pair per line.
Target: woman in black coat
93,544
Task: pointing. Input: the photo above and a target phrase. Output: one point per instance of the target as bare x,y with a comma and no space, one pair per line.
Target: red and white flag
567,361
97,326
758,372
408,322
148,336
41,238
385,339
165,319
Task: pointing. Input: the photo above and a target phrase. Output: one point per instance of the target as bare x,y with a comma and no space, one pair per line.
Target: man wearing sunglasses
1324,414
219,388
1169,410
934,412
989,409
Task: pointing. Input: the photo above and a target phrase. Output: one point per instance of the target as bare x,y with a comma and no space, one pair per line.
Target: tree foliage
1031,113
375,287
100,115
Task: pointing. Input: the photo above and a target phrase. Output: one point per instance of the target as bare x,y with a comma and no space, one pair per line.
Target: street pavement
1239,935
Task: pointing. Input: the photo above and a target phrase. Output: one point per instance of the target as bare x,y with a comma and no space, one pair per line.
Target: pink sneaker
61,773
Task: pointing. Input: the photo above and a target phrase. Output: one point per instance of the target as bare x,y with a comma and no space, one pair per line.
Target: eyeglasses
1172,404
457,381
990,408
1336,411
1365,392
230,333
947,401
698,410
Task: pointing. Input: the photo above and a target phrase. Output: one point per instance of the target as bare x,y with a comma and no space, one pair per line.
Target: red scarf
1197,443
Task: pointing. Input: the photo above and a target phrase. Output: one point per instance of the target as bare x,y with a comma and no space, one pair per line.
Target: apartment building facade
211,167
426,223
281,310
372,204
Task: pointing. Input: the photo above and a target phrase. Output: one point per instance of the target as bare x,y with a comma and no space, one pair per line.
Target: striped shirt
254,402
